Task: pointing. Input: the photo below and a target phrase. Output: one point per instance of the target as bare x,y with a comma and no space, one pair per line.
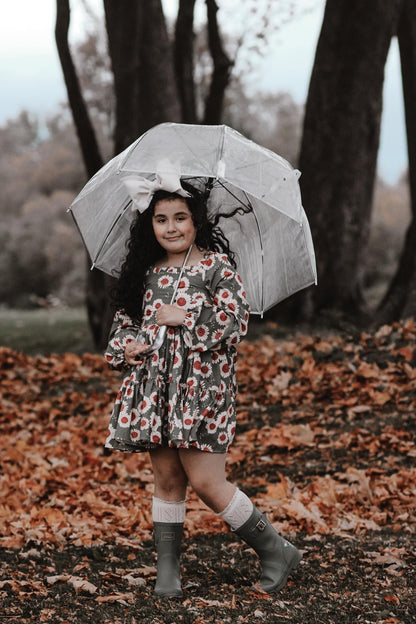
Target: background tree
400,299
341,129
40,250
184,60
97,282
340,144
41,170
142,65
144,94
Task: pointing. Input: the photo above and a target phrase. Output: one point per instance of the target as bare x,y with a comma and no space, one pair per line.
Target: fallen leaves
341,409
288,436
79,584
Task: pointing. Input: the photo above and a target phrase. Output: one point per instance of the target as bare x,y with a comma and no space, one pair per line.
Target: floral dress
183,395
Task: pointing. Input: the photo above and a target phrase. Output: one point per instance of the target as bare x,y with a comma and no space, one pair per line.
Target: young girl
178,403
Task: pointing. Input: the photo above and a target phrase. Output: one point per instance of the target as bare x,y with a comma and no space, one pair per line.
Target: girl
178,403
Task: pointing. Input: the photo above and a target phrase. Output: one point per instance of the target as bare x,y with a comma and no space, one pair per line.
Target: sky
31,78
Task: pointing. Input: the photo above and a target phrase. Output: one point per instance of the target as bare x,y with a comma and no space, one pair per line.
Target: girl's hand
132,352
170,315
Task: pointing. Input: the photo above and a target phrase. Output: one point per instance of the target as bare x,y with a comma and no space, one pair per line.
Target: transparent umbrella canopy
271,238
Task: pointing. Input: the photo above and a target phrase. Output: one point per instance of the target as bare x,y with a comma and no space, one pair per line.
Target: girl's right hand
133,351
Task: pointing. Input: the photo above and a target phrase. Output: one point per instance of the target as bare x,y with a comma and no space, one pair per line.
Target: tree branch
400,299
123,24
84,128
183,60
222,68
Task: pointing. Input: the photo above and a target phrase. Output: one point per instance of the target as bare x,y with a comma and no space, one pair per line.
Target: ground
325,447
338,582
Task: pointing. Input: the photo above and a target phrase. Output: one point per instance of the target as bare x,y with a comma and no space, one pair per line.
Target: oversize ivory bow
141,190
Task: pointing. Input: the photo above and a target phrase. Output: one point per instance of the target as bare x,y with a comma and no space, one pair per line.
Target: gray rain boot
168,546
278,557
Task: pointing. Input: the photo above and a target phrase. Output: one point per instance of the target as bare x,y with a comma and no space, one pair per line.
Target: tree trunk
84,128
141,58
124,24
400,299
183,57
222,68
96,280
144,83
158,97
340,143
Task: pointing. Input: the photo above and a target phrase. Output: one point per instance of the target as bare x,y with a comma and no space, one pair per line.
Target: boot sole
168,594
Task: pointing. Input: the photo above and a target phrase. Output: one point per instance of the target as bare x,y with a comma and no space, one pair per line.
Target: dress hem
124,447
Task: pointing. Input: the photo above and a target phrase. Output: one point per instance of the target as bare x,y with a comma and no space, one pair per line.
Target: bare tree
184,60
142,63
146,92
221,71
145,95
400,299
97,282
340,143
84,128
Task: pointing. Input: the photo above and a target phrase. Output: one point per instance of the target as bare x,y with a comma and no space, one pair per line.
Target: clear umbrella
271,240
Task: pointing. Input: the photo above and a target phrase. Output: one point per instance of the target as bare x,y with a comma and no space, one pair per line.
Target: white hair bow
141,190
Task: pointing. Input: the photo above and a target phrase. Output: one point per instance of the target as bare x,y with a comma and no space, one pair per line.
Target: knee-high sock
168,511
238,510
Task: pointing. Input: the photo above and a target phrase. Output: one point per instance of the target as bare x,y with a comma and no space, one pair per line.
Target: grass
59,330
46,331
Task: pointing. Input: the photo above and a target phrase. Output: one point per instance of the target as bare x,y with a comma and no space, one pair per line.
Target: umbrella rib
131,150
262,254
284,262
79,230
113,225
250,206
221,147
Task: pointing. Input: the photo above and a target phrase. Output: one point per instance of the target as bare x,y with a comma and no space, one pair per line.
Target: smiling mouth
172,238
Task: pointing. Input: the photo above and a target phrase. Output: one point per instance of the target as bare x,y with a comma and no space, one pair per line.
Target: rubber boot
168,537
278,557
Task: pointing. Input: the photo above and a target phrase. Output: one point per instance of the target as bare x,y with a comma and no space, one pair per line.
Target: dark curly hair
144,250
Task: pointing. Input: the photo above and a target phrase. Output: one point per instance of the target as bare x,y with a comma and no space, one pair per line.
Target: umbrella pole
161,334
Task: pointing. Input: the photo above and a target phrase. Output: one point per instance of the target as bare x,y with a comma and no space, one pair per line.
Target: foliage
40,250
325,446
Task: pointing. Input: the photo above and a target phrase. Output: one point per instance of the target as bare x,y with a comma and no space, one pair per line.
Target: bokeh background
266,53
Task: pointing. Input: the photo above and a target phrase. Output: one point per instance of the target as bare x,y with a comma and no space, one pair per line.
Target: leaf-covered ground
325,446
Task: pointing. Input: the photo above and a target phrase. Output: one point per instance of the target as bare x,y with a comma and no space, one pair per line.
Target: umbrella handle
158,341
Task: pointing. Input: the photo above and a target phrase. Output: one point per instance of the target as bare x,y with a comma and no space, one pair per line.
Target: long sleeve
221,321
123,331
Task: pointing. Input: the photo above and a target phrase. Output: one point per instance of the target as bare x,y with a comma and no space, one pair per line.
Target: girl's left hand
170,315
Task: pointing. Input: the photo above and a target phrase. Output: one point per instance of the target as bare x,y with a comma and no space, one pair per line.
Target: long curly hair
144,250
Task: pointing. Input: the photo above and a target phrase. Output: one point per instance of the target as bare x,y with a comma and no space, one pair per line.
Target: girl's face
173,226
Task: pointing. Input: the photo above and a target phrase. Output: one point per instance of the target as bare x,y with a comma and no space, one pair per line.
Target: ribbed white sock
238,510
168,511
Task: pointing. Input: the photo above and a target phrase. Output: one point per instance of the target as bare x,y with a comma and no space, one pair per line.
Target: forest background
42,168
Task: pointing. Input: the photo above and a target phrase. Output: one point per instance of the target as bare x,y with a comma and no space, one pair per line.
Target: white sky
30,75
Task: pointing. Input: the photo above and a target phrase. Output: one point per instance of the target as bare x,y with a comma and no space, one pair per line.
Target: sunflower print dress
183,395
